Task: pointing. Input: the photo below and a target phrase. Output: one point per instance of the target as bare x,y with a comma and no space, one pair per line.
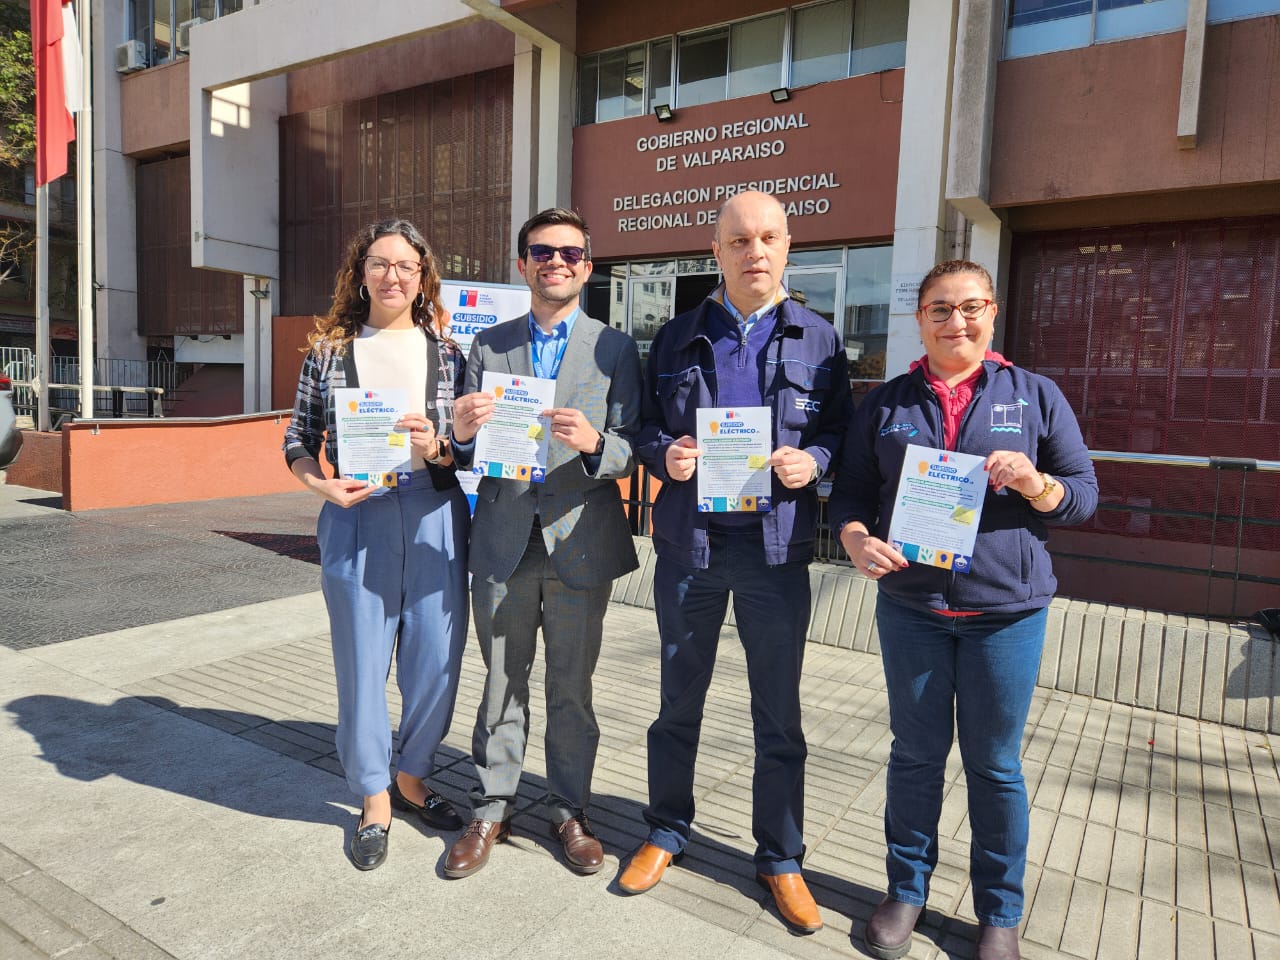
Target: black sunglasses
543,252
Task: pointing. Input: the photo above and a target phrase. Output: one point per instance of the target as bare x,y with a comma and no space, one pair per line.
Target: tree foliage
15,245
17,85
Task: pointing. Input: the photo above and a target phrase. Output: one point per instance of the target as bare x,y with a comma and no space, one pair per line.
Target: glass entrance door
820,289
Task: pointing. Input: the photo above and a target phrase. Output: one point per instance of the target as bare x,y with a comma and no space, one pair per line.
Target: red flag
54,126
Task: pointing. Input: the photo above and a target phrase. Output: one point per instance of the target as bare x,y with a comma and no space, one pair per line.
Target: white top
394,358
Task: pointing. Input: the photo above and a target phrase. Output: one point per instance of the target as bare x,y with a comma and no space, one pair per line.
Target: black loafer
369,846
437,812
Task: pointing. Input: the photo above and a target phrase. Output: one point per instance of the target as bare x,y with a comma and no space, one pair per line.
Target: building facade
1115,164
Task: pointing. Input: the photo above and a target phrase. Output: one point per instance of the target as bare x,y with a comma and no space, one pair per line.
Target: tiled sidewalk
1152,836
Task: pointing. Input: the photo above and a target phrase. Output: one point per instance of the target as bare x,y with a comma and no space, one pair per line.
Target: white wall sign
906,293
473,307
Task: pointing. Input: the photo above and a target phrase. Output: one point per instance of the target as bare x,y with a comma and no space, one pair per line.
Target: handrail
97,387
178,421
1180,460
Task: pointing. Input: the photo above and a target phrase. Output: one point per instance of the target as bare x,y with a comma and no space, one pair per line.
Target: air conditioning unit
184,33
131,56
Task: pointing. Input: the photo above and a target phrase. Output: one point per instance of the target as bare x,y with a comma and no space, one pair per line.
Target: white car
10,435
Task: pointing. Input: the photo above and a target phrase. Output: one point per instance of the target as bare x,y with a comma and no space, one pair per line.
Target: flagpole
42,308
84,211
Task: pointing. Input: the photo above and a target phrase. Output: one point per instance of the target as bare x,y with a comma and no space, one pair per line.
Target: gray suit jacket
584,525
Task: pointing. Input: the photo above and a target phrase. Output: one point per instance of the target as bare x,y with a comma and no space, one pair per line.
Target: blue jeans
981,671
771,605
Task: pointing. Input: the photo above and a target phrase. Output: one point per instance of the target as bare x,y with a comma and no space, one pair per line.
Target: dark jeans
771,605
981,671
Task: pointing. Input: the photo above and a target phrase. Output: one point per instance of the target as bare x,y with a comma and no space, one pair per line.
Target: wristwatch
1050,485
599,447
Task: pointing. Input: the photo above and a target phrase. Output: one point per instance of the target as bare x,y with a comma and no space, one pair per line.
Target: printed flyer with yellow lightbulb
513,444
370,447
733,472
937,507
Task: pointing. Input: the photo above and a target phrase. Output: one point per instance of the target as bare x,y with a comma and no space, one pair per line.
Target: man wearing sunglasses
747,345
547,553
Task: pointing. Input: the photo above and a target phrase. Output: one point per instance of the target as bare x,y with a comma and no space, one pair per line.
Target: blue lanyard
539,364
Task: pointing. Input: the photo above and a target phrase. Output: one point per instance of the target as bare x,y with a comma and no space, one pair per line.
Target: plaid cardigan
328,368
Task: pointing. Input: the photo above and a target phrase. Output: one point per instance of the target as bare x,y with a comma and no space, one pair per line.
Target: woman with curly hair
393,559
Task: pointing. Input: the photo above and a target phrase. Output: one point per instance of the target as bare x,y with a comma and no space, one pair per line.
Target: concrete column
260,296
1192,74
525,104
555,122
542,134
979,32
989,245
115,225
920,218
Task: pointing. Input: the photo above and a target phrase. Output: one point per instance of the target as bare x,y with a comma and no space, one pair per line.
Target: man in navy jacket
747,345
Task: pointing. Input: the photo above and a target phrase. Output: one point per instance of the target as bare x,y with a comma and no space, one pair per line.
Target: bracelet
1050,485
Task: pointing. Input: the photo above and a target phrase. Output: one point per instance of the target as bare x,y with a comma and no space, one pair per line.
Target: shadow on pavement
129,739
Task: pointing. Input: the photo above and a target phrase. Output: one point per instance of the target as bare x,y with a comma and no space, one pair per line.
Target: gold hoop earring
364,293
421,299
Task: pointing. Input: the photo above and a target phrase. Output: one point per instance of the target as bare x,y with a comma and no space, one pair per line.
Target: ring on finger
872,567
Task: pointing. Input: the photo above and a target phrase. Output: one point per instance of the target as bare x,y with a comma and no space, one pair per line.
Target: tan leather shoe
646,868
794,902
470,851
581,848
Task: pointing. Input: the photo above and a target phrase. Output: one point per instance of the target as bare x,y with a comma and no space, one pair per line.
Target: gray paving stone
1260,896
1118,932
1192,883
37,926
1128,857
1157,930
1191,691
1230,940
1195,936
14,947
1171,678
1158,872
1084,919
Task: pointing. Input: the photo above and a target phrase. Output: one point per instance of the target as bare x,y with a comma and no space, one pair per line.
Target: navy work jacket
806,383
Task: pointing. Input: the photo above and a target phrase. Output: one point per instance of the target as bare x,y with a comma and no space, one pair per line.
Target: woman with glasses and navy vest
961,650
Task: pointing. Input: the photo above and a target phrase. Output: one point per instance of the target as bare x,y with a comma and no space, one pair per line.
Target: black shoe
369,845
437,812
888,933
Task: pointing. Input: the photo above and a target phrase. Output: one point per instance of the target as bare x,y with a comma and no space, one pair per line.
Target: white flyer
938,506
370,447
513,444
733,472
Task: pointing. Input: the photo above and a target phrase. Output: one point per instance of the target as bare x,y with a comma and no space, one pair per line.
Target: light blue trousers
394,574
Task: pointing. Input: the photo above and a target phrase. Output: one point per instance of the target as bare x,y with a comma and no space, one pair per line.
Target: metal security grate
438,155
1166,340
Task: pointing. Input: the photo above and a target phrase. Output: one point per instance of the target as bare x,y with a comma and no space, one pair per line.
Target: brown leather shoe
997,943
793,900
646,868
470,851
888,934
581,848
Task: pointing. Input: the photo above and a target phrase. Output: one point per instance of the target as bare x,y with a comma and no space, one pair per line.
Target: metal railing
1228,527
131,385
1224,526
119,401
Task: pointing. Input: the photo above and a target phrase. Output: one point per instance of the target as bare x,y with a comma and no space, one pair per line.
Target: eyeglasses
543,252
939,311
405,269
